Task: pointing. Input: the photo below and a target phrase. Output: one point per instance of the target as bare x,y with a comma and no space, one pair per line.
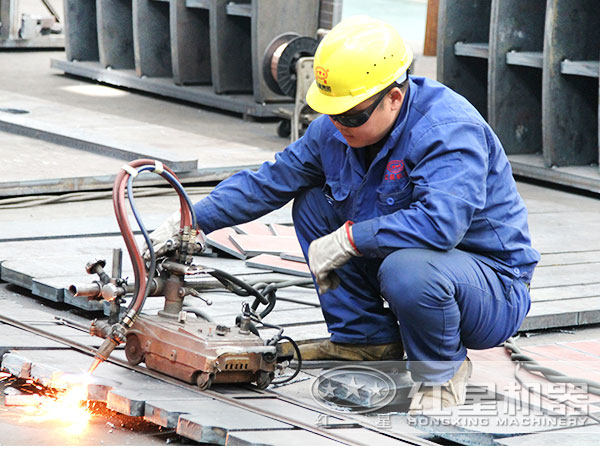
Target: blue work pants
440,302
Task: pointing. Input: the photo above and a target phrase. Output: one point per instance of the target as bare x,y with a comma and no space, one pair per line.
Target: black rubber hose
269,291
278,339
272,297
298,357
249,290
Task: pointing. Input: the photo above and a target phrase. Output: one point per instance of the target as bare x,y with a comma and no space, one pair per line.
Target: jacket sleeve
248,195
448,168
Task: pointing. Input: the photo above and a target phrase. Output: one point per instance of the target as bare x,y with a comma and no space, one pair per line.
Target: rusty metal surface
277,264
186,350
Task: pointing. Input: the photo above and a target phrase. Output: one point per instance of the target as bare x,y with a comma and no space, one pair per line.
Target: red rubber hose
137,261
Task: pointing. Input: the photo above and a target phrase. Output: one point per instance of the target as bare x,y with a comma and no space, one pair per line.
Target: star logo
327,390
353,388
376,391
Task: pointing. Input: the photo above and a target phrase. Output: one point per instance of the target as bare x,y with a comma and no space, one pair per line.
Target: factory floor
28,73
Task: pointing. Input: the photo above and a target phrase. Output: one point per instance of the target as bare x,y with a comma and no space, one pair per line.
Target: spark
67,407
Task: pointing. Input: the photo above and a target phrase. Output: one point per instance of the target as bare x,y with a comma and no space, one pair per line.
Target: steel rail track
225,398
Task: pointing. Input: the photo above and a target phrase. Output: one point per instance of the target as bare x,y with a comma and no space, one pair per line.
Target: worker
405,208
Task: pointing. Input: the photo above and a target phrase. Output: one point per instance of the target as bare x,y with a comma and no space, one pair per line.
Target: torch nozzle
95,364
103,352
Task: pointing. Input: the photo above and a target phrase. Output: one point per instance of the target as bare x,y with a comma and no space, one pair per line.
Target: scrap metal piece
279,264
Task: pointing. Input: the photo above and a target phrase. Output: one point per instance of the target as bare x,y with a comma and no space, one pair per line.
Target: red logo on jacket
395,169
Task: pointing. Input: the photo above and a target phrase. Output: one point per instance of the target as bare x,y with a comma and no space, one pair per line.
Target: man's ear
396,98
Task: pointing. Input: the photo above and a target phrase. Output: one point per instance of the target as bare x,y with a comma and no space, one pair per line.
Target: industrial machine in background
19,29
182,344
532,69
207,52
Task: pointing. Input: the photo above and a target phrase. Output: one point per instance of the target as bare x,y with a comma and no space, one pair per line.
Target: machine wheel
263,379
204,380
133,350
284,128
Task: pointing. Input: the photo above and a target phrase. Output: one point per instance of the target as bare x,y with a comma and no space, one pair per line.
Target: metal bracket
302,114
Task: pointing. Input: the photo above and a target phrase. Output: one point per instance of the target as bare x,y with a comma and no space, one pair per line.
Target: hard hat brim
331,105
328,104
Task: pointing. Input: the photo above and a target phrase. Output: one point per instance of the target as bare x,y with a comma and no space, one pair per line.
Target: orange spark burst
66,408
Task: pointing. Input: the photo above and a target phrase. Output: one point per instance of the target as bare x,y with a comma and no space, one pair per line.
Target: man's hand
331,252
163,233
167,230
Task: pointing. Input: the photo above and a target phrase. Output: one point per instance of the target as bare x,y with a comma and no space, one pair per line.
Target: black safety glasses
359,118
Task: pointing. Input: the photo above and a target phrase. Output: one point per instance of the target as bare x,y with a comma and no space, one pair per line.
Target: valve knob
92,266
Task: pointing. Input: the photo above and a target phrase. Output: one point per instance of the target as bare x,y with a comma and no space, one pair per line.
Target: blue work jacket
441,180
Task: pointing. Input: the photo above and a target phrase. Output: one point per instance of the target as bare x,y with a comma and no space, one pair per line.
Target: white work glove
331,252
165,231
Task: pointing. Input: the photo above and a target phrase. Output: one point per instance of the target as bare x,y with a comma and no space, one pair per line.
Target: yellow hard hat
358,58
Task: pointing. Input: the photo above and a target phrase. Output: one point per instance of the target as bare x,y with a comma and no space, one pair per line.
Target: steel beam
515,92
115,33
230,50
81,37
467,22
190,43
569,103
151,39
